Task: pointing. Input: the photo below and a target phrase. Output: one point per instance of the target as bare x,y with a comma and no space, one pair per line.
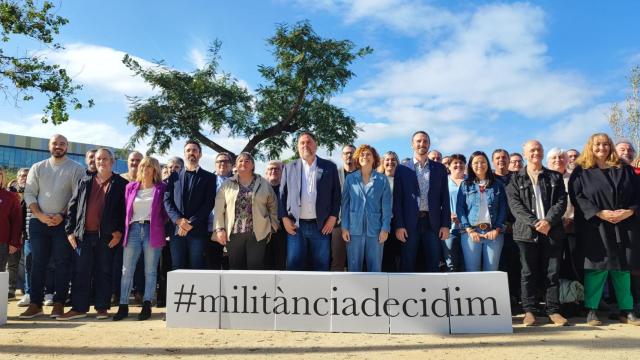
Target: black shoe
123,312
145,313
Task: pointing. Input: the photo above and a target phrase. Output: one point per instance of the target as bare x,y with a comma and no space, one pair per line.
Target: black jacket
113,214
522,204
194,204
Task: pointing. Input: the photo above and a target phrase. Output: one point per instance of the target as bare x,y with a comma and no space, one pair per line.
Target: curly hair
361,149
587,159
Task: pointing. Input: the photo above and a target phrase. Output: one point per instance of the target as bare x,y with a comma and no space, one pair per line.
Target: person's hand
44,218
55,220
115,239
543,227
443,233
182,232
12,249
72,241
454,219
289,226
491,235
221,237
329,224
567,222
184,223
401,234
384,235
345,235
475,237
623,214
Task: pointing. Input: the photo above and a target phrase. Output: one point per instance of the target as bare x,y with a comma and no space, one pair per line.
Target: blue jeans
137,243
360,247
47,241
425,238
308,248
482,256
92,257
187,252
452,252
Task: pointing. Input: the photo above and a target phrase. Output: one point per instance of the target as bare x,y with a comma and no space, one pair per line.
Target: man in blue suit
421,207
188,200
309,207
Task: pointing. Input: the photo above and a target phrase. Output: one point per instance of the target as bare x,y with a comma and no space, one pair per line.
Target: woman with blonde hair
606,194
144,232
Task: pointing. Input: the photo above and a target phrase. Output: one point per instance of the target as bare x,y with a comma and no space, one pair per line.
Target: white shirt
309,190
538,199
142,205
483,209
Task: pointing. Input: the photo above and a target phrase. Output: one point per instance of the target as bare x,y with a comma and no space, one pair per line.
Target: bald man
538,200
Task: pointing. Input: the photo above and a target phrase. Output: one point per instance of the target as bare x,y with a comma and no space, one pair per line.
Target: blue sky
475,74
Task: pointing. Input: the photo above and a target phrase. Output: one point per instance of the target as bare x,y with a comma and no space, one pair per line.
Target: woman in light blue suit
366,212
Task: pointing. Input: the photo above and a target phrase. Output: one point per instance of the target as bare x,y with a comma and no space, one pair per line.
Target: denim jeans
308,249
360,247
47,241
138,243
92,257
425,238
481,256
187,252
452,251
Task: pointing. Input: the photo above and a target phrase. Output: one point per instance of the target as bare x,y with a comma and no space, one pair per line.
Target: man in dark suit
309,207
188,201
421,207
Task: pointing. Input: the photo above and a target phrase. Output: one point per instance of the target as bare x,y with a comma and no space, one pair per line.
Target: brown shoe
558,319
630,319
529,319
70,315
58,310
32,311
102,314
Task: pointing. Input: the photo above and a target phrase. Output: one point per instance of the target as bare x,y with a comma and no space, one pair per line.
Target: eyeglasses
273,169
347,153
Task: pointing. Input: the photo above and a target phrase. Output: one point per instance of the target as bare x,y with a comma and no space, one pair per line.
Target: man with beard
516,162
132,165
50,185
625,151
90,161
421,209
188,200
338,246
277,247
213,254
572,155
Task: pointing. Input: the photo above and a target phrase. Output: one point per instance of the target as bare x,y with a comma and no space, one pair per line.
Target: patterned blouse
244,209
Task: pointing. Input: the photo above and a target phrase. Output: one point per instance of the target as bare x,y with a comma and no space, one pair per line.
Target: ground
132,339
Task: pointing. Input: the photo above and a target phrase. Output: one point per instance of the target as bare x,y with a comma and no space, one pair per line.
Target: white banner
4,290
340,302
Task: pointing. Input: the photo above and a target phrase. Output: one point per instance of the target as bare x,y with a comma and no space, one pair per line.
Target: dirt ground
45,338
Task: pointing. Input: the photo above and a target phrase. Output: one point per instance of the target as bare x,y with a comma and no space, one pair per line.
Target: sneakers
32,311
592,318
25,301
123,312
630,318
102,314
58,310
529,319
558,319
70,315
146,311
48,300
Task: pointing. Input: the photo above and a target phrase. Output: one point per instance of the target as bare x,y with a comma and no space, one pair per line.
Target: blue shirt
219,180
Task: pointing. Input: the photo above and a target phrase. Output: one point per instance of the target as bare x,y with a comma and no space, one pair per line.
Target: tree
626,123
296,96
29,72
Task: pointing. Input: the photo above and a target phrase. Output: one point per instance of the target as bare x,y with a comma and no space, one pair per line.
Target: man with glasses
214,249
515,162
338,246
277,247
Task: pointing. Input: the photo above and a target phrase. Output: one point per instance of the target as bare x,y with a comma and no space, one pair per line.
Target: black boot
123,312
145,313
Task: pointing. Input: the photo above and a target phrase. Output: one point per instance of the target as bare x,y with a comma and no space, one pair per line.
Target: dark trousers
338,250
213,254
426,239
540,266
391,254
48,241
92,256
308,249
510,263
246,253
187,252
164,266
572,262
277,250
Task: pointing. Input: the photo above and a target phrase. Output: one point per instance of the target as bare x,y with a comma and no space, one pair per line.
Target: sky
476,75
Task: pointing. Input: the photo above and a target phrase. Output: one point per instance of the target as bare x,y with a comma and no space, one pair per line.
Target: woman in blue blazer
482,210
366,211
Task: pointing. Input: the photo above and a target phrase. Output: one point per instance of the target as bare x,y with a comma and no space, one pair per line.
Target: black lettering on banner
264,303
315,306
375,299
334,302
459,305
404,307
188,302
423,300
353,306
295,305
385,307
254,301
235,301
244,299
446,303
203,302
282,307
482,301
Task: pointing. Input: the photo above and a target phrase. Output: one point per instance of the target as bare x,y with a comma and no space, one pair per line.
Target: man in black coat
537,200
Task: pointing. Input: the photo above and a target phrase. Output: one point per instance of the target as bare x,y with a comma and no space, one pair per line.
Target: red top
10,218
95,204
636,170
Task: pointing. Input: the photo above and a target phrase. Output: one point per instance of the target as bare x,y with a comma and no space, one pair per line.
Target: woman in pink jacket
145,219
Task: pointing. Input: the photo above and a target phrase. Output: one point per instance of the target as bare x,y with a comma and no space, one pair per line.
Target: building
17,151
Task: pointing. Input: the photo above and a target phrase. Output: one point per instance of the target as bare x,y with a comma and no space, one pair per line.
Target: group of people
574,217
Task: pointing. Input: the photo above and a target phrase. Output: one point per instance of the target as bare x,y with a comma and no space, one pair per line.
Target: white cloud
101,69
574,129
197,57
